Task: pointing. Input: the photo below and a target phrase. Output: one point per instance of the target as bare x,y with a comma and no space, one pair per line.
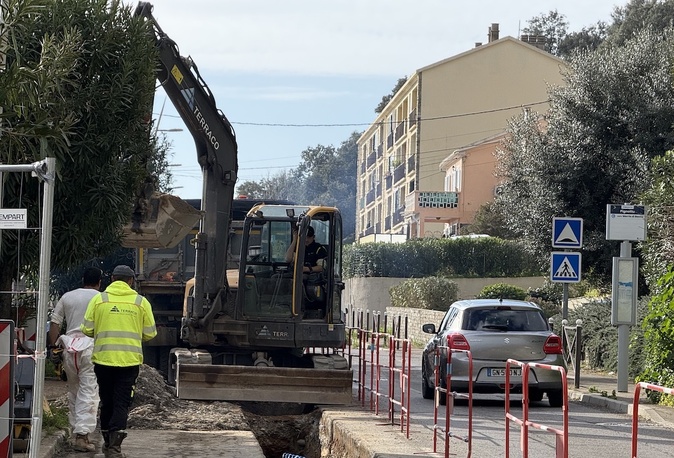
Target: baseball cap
123,271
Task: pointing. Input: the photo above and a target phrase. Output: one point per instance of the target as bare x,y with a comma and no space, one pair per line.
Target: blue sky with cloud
272,64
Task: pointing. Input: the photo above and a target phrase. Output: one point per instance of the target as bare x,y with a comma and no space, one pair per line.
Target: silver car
494,330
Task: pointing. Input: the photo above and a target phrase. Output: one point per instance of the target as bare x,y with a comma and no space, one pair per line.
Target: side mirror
429,328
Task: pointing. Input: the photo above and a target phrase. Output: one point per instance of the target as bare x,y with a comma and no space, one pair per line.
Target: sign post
627,223
565,265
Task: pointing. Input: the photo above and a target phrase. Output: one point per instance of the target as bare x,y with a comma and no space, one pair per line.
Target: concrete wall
372,293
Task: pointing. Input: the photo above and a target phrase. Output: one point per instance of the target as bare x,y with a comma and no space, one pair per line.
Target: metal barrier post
562,437
635,409
404,379
449,397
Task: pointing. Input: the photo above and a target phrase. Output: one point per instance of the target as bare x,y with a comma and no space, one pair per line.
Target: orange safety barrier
403,374
439,391
635,409
562,437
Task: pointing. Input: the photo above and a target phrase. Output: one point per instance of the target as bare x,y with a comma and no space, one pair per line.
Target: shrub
502,291
479,257
658,326
600,339
432,293
548,297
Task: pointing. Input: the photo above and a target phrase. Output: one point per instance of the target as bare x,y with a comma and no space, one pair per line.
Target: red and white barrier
446,433
6,387
562,436
635,409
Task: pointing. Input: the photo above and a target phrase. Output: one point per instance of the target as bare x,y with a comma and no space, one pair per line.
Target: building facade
440,109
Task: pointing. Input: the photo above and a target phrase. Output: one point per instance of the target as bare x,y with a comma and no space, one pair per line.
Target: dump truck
252,325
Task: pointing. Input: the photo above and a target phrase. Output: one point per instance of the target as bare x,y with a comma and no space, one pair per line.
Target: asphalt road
592,431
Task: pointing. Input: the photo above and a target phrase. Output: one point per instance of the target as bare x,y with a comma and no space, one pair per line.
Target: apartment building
439,110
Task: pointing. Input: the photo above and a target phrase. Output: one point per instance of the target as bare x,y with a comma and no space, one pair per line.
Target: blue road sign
565,267
567,232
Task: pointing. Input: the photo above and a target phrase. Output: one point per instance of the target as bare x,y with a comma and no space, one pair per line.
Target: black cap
310,231
123,271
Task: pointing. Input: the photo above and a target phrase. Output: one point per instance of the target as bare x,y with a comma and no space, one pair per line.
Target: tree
325,176
387,98
588,39
329,177
552,26
657,250
614,114
638,15
78,86
489,220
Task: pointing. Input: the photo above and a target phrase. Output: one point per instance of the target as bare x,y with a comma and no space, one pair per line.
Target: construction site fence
380,354
561,436
635,409
450,396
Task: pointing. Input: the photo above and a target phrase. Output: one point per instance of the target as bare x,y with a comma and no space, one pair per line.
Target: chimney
535,40
493,32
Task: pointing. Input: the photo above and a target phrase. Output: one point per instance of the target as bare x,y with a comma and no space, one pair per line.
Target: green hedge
502,291
463,257
431,293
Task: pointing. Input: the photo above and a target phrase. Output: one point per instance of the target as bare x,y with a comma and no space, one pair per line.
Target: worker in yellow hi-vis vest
119,320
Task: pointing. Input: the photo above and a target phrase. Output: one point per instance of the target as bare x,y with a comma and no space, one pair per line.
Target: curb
647,412
50,445
595,400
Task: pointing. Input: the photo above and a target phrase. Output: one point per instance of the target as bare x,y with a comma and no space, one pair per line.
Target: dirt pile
279,428
156,407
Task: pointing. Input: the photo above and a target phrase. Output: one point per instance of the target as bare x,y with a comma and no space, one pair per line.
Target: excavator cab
274,284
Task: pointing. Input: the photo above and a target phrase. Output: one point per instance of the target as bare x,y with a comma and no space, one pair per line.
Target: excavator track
259,383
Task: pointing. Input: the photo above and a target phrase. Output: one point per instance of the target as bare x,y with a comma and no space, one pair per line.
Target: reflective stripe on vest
138,301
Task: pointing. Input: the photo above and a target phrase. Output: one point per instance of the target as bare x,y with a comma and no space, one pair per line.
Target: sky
295,74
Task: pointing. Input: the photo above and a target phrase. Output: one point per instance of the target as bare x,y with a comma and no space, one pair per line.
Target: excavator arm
216,149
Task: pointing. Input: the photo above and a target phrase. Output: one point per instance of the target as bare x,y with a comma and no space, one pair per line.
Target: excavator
270,332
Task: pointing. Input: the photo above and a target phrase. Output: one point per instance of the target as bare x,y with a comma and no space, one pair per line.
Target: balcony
398,216
399,173
389,140
400,130
412,118
410,163
371,159
440,204
369,198
369,230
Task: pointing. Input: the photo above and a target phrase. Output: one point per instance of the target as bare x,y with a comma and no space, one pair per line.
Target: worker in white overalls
77,349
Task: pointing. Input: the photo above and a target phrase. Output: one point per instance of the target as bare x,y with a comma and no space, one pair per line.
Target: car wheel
535,395
555,397
426,391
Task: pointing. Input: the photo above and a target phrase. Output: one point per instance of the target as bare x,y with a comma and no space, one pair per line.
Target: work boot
106,440
82,443
115,448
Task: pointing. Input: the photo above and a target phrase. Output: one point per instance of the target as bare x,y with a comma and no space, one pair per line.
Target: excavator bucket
268,384
160,222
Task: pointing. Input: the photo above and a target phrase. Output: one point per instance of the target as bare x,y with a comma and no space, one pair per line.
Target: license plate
514,372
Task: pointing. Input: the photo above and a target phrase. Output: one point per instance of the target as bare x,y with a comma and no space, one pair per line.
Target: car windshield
504,319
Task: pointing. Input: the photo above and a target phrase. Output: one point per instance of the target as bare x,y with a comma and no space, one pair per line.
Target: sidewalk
601,390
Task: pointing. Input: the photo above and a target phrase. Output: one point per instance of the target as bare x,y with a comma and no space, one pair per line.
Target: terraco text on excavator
272,334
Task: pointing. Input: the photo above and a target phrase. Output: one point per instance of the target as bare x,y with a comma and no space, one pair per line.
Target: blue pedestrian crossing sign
567,232
565,267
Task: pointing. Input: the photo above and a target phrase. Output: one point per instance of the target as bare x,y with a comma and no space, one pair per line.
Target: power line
361,124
